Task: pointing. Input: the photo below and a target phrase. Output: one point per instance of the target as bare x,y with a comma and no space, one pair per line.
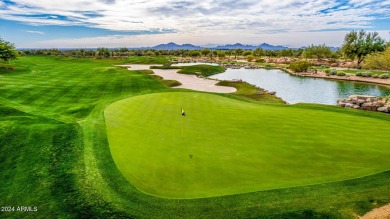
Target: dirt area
378,213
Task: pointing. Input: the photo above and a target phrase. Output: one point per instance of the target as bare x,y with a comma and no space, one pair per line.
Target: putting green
225,146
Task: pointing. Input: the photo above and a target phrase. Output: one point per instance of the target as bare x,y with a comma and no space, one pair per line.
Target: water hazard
295,89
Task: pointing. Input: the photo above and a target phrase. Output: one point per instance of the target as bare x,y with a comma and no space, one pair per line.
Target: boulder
348,105
383,109
342,104
369,106
360,101
362,97
356,106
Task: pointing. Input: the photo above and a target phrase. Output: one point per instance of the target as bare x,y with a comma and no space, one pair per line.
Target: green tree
238,52
150,53
247,53
286,53
360,44
258,52
300,66
103,52
205,52
195,53
7,51
319,52
221,54
378,60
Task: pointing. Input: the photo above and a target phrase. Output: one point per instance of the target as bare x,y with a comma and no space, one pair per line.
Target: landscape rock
383,109
365,102
360,101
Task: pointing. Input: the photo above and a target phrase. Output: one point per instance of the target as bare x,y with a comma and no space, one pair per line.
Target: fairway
224,146
58,116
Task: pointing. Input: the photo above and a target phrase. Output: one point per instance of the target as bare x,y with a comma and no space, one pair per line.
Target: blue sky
136,23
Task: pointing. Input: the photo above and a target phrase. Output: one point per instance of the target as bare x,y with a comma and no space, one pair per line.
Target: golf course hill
226,146
84,138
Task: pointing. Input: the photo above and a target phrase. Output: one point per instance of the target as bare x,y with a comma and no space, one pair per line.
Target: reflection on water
295,89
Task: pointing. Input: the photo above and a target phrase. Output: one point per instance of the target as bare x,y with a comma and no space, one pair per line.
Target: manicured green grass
204,70
54,152
148,60
227,147
42,103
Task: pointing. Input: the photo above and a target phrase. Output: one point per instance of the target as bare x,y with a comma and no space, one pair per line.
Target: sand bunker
188,81
378,213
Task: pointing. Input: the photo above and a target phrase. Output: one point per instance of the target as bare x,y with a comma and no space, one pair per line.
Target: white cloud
226,19
35,32
330,38
191,15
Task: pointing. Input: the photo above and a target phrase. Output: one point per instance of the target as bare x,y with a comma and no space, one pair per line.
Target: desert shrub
359,74
333,72
327,71
384,76
171,83
300,66
250,58
366,74
375,76
340,74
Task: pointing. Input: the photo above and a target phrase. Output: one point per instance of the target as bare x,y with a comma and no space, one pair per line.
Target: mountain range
174,46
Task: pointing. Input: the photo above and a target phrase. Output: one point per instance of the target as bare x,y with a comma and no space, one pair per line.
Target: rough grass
168,83
247,90
55,154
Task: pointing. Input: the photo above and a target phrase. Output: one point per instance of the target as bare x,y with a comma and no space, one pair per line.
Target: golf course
85,138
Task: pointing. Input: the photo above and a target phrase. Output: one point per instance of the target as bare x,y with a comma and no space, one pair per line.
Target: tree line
357,45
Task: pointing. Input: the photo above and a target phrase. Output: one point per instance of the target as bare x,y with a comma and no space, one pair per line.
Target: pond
295,89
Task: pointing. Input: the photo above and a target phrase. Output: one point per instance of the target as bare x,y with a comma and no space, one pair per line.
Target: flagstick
182,127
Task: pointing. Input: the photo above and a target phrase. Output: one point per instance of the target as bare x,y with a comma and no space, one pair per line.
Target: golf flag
182,112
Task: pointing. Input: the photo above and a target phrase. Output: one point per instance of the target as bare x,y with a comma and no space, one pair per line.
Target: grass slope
204,70
55,154
237,147
247,90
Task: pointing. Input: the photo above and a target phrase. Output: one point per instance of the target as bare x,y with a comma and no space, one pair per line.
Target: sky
139,23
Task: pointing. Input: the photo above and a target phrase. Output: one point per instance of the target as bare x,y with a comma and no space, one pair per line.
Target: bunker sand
188,81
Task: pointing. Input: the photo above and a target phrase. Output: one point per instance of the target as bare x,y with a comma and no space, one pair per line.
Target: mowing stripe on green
225,146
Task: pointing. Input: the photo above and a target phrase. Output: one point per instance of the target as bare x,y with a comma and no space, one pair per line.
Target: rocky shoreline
363,102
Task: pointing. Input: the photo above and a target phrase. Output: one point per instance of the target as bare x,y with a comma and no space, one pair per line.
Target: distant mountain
264,46
174,46
236,46
267,46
